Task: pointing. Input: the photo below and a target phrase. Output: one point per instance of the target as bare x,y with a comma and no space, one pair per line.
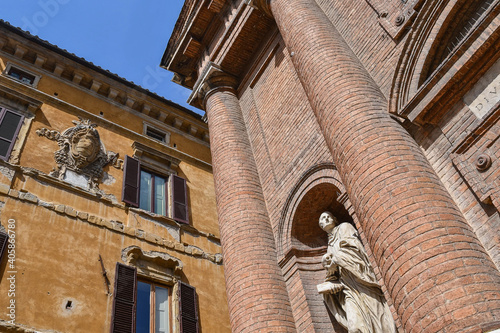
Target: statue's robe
360,306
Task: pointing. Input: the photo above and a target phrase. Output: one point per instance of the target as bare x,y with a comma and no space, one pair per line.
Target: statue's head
327,221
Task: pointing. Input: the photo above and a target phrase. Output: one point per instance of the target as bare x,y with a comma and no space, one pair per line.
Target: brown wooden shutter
10,124
123,317
3,243
188,308
131,178
179,199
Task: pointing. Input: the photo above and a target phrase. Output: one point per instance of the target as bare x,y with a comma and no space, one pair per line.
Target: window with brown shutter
179,199
3,244
131,172
10,123
188,308
123,319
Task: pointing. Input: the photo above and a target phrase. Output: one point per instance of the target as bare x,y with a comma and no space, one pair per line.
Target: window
22,75
156,133
148,191
153,193
10,123
153,310
145,307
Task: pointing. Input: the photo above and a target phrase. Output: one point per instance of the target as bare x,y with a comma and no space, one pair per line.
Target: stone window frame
164,165
11,66
158,268
166,134
18,125
26,107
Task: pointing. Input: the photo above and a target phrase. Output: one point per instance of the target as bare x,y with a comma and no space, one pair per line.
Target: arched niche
451,45
305,232
302,243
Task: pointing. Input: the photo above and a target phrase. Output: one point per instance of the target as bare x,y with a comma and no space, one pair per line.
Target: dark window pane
9,125
157,135
4,147
143,307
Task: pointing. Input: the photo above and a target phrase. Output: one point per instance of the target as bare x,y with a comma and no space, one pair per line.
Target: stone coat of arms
81,151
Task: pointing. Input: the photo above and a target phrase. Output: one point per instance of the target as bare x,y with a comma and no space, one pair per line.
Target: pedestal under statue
350,290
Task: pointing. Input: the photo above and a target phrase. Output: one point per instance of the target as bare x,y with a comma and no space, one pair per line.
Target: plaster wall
62,229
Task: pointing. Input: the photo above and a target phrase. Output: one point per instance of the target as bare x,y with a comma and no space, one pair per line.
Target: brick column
438,274
256,291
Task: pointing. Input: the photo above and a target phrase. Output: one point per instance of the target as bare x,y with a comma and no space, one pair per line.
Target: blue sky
127,37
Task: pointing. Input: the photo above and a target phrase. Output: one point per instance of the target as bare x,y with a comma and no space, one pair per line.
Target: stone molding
167,163
113,225
263,5
426,101
157,265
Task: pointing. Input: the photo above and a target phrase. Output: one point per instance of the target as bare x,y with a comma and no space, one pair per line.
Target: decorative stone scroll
81,156
351,291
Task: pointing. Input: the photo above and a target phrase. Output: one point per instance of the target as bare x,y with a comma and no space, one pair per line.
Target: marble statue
351,291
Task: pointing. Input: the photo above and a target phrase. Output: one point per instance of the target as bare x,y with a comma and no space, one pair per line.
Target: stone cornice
228,40
48,59
72,109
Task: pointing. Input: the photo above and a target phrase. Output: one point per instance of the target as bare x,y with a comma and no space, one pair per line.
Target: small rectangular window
21,75
10,123
155,134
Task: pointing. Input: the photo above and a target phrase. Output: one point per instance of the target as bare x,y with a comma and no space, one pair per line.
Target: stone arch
428,73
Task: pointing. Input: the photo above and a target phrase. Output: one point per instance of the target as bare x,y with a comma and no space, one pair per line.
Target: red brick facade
308,128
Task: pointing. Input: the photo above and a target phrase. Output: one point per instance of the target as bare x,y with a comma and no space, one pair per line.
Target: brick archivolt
317,175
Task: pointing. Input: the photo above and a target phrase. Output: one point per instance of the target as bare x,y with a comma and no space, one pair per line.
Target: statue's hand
330,287
336,287
327,260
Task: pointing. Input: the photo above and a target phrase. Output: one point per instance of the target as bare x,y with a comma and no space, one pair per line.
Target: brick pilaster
434,267
257,294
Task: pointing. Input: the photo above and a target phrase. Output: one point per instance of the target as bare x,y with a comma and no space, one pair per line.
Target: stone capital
263,5
211,80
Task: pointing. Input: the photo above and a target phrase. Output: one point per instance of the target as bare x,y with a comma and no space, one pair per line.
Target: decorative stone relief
351,291
81,156
476,159
158,265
